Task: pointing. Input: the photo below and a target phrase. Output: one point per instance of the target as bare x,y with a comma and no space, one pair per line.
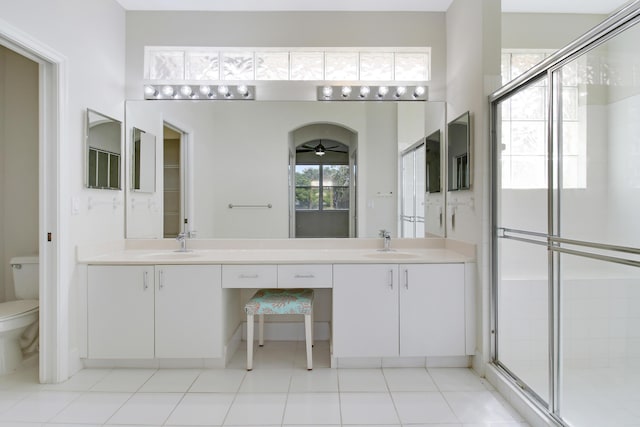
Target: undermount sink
391,255
171,255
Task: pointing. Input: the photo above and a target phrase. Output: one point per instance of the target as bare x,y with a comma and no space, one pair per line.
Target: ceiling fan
319,149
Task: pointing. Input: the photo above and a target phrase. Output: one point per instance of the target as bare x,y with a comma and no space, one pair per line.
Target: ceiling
540,6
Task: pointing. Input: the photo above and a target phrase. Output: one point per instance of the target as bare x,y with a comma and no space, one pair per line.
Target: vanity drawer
249,276
305,276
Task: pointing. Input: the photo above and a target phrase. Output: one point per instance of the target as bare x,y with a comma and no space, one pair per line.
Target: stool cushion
280,301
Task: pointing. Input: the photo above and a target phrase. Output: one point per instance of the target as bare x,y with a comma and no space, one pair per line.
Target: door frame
53,188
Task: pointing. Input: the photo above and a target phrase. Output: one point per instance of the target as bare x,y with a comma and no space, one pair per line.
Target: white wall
91,37
473,72
18,163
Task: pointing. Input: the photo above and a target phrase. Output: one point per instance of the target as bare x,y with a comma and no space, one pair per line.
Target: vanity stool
279,301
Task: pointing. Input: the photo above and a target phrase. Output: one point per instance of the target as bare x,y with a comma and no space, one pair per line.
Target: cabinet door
432,313
120,312
365,310
188,313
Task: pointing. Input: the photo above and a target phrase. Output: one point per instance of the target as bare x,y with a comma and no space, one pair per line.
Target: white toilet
19,319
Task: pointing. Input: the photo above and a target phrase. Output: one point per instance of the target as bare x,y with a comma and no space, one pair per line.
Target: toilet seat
11,309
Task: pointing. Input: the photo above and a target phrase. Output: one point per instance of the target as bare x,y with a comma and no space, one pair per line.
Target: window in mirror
458,153
103,151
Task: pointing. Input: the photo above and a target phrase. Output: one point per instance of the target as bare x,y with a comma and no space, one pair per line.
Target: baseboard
401,362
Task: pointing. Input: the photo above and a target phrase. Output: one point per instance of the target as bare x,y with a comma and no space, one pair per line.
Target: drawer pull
248,276
304,276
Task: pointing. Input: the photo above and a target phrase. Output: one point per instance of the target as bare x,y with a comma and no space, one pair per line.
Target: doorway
52,229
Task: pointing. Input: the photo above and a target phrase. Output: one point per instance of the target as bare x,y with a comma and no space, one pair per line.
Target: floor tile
367,408
146,408
8,398
40,406
92,408
170,380
83,380
365,380
318,380
266,381
409,379
124,380
455,379
218,380
423,407
201,409
257,409
478,407
312,408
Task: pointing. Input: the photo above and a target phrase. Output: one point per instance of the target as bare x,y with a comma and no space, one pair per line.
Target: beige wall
285,29
18,162
544,30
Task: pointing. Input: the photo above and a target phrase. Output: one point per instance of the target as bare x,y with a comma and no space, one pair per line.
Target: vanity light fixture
199,92
371,93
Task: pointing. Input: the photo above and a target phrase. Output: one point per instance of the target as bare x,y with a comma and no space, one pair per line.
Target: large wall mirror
104,147
459,153
143,161
241,157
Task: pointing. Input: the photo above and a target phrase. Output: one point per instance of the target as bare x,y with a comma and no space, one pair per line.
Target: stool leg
308,338
261,330
249,342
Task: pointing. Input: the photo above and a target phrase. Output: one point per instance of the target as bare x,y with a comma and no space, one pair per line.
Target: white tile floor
278,392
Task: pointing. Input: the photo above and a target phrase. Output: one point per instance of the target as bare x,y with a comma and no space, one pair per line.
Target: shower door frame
615,24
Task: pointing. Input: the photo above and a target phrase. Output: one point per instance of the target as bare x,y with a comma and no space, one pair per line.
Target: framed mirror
143,161
459,153
432,172
104,148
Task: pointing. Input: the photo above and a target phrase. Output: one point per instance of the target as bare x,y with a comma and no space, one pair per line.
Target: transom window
244,64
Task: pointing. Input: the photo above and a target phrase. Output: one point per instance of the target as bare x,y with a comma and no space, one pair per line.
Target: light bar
371,93
200,92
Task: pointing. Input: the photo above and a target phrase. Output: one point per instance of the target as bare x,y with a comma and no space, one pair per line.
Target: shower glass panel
413,191
600,300
522,272
523,314
600,306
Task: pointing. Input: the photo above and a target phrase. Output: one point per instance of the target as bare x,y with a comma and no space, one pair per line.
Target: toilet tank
25,277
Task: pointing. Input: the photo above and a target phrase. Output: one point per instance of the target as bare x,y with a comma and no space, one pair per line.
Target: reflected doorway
322,189
175,219
413,191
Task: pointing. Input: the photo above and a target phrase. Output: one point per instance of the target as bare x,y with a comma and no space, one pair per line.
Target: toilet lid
14,308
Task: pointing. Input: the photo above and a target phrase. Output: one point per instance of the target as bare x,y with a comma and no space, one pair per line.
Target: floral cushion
280,301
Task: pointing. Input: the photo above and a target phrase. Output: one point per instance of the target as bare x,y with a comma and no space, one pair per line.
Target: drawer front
305,276
249,276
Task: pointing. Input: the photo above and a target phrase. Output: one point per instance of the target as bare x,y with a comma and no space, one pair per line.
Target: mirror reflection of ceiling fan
319,149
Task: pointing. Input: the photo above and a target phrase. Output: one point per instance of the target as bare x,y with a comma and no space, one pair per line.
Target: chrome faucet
182,238
386,236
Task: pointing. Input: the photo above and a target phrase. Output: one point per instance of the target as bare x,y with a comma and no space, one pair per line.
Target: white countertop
278,251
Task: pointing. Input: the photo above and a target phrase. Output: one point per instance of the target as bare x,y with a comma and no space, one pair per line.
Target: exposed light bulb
223,90
364,91
243,90
327,91
346,91
150,91
400,90
186,90
419,91
382,91
205,90
167,91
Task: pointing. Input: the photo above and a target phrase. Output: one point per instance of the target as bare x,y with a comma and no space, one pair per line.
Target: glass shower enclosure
566,228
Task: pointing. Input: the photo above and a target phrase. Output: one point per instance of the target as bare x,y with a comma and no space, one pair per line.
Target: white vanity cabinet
389,310
146,312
